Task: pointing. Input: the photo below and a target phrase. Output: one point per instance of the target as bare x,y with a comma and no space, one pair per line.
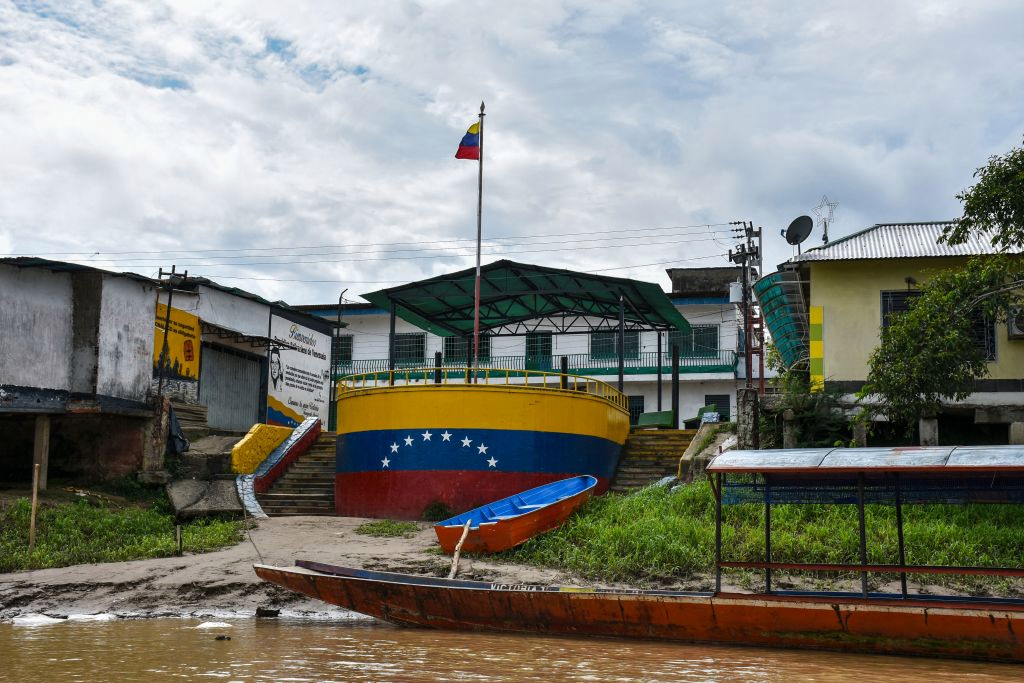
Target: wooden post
899,537
458,550
35,505
41,448
177,537
718,533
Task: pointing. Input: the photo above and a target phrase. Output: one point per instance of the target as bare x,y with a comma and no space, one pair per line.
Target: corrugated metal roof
898,240
826,460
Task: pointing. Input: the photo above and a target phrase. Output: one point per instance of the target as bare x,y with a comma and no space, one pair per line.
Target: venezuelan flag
469,148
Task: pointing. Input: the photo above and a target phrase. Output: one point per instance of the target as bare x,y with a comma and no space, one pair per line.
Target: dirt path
223,581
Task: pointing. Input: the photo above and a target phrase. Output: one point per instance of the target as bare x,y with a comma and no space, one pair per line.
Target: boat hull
507,533
403,449
989,631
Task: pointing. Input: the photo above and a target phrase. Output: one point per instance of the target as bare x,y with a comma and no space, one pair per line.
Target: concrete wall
125,359
850,294
35,328
224,309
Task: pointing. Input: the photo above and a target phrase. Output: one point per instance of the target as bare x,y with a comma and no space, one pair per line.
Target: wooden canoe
948,627
510,521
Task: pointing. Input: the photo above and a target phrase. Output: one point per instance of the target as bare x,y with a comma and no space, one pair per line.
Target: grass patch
658,536
388,528
89,531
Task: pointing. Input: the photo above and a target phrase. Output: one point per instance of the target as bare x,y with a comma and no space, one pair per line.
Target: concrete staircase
307,487
649,455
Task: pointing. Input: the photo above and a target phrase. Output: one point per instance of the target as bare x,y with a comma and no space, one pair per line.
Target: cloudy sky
299,148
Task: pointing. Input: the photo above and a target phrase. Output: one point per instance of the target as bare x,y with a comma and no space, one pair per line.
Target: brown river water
356,650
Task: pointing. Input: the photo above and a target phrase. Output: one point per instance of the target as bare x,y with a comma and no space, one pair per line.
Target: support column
658,371
675,386
41,448
929,431
1016,433
565,372
748,417
790,429
622,342
391,344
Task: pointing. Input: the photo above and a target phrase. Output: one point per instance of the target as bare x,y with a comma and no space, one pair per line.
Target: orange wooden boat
966,628
516,519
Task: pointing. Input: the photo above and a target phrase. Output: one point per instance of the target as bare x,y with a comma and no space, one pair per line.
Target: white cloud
190,126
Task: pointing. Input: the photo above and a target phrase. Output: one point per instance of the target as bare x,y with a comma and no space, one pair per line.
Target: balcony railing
533,379
644,363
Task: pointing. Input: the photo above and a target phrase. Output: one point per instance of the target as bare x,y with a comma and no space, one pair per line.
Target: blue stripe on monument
514,451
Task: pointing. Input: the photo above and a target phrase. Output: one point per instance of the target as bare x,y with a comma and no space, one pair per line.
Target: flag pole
479,214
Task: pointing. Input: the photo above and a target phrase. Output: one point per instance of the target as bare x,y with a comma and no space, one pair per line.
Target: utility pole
745,254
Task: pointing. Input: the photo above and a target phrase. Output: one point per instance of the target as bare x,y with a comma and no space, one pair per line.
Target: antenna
825,211
798,231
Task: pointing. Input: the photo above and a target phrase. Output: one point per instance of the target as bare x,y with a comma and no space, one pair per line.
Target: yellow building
826,308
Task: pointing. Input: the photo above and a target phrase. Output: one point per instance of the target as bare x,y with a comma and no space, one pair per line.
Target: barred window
700,342
341,352
410,348
456,349
605,344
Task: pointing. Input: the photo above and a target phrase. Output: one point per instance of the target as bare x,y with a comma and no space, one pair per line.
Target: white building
709,371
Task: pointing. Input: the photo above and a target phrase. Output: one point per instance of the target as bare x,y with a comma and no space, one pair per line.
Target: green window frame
456,349
410,348
702,341
604,345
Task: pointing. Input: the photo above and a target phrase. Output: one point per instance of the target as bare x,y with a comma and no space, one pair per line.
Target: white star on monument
482,449
394,448
385,462
408,441
447,436
466,442
426,435
492,462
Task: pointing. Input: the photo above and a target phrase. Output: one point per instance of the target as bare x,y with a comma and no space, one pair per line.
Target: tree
995,204
930,353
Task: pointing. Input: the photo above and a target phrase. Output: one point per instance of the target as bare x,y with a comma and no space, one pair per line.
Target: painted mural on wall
181,362
298,385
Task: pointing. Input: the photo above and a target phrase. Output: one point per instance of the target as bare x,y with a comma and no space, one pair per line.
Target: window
636,408
896,302
984,330
410,348
341,353
538,351
700,342
605,344
456,349
721,402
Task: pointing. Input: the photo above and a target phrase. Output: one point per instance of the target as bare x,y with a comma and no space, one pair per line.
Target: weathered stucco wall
125,362
850,294
86,299
35,328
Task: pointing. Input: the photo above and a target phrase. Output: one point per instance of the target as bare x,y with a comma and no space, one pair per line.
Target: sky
301,149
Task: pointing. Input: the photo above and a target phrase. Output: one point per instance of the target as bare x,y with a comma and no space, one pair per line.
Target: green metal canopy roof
517,298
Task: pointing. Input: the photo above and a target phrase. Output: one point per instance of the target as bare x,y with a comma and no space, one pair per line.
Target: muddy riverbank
224,582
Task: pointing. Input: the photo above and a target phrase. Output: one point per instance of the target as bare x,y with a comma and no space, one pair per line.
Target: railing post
863,535
565,372
767,535
437,367
899,538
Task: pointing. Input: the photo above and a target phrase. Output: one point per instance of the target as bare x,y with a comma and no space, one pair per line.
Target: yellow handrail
462,376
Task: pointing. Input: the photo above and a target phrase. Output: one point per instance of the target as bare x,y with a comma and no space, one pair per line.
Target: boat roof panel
846,460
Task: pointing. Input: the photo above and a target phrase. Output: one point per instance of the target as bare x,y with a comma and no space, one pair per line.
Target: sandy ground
223,582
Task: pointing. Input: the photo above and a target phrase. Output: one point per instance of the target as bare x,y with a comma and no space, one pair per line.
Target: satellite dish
798,230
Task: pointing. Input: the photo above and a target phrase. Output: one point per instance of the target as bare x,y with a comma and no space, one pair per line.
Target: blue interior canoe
510,521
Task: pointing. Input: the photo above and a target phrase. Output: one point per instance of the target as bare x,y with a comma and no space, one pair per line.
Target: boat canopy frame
858,476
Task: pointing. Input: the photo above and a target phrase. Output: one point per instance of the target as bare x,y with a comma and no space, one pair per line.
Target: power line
562,247
178,252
